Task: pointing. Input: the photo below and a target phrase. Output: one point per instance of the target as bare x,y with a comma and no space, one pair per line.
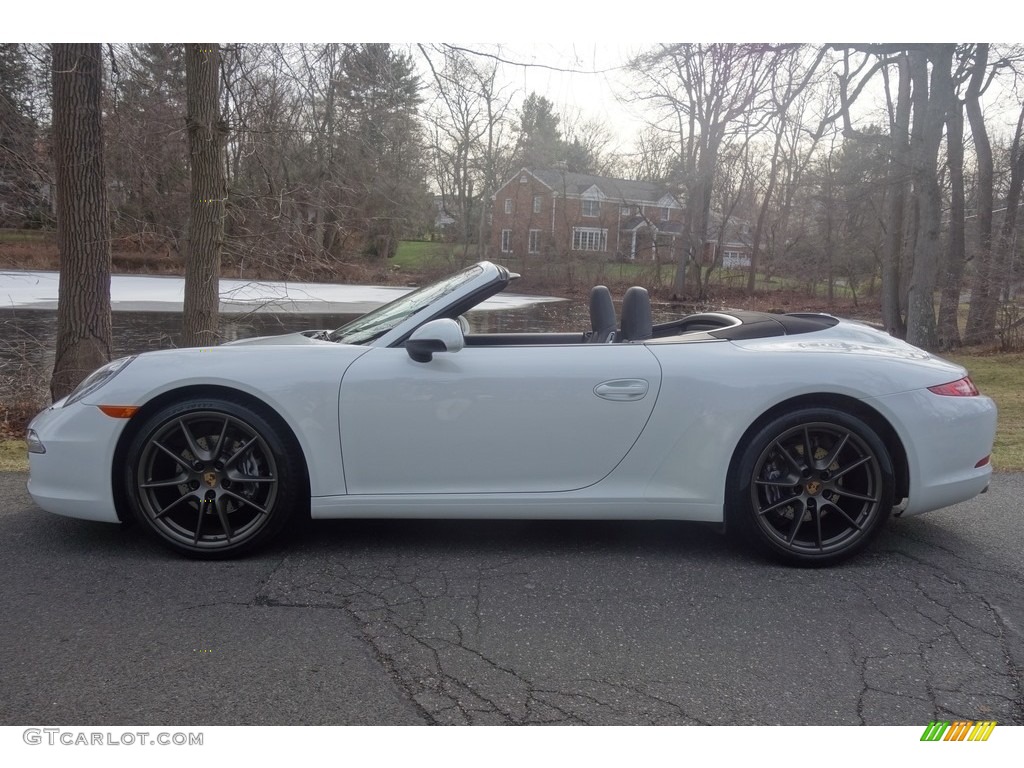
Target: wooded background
886,170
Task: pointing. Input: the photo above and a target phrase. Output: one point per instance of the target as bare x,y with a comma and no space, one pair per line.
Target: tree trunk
981,316
83,230
206,133
953,264
762,216
930,109
1002,262
899,167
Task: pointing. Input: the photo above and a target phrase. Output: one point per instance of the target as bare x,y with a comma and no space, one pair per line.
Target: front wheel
212,478
812,487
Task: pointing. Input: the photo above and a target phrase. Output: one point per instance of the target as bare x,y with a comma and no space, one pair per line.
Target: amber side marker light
119,411
960,388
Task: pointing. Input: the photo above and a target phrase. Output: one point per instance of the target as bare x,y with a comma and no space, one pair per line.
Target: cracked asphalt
400,622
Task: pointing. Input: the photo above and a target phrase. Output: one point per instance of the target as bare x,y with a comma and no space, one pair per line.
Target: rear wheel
812,487
212,478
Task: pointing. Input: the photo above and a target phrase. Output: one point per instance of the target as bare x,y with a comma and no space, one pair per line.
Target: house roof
661,227
633,222
575,184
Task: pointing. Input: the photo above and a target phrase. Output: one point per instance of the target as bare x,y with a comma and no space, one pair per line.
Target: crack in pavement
554,636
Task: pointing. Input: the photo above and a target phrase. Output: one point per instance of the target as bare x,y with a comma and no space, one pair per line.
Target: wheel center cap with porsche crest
210,478
813,487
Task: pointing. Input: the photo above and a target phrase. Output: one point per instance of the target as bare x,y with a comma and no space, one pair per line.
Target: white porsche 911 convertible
800,432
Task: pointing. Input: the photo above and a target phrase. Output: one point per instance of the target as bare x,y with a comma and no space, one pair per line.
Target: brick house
547,211
731,248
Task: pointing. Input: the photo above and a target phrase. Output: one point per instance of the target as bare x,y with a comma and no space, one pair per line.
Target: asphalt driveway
498,622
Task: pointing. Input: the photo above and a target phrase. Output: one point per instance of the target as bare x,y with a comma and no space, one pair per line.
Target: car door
493,419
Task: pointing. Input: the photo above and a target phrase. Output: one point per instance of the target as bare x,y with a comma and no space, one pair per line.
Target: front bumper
73,477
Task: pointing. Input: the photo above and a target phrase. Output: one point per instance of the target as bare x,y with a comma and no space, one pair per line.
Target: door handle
622,389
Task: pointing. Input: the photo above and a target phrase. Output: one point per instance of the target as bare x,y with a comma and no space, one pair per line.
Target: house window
627,210
506,241
735,259
591,208
537,202
534,244
666,214
508,205
589,239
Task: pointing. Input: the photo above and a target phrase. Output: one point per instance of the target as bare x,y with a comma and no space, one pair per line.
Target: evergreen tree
146,143
540,141
382,146
20,202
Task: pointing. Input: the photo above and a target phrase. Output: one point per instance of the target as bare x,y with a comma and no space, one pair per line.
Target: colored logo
961,730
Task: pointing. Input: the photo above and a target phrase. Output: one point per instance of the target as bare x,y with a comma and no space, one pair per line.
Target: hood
299,337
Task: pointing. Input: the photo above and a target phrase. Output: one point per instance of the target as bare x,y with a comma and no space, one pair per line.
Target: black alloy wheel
813,487
212,478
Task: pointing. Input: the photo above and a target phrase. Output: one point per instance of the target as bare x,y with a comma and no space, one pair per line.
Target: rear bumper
945,438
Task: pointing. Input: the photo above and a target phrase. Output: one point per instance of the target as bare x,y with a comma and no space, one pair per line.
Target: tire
212,478
816,512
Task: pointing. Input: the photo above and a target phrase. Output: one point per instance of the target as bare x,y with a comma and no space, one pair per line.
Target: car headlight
97,379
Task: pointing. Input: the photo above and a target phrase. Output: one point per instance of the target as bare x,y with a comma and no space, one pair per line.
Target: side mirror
442,335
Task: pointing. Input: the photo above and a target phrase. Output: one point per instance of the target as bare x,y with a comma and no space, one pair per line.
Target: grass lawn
13,456
417,254
25,235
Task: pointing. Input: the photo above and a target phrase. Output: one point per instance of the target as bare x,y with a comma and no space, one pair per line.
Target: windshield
381,320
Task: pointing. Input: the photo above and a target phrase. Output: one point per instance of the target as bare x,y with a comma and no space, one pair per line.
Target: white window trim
506,241
538,203
508,205
590,201
590,239
533,243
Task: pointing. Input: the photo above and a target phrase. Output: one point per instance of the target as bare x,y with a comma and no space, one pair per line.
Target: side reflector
983,462
119,411
960,388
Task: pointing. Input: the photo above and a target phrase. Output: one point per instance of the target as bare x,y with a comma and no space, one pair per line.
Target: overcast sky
569,26
580,80
590,40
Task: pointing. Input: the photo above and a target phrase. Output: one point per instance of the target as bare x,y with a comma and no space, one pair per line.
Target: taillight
960,388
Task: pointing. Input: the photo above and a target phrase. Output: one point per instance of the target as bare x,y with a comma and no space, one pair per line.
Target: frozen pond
151,293
147,314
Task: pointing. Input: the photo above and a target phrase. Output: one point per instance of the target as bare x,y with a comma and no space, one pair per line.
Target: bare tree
709,93
20,202
930,100
590,146
981,316
917,120
893,294
83,231
206,133
955,253
147,160
1003,261
465,115
788,81
652,157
